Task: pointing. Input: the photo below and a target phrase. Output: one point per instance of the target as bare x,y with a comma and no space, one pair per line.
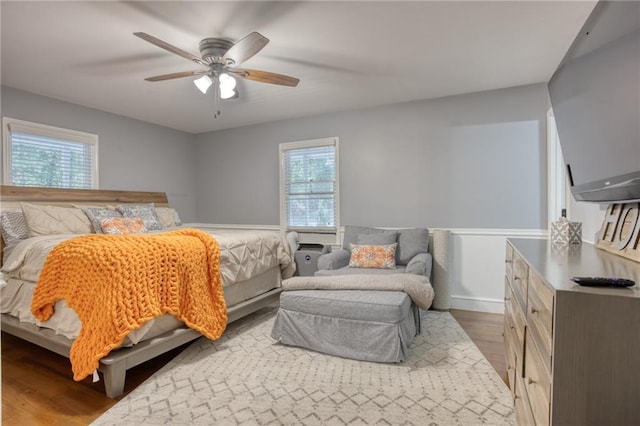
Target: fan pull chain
216,96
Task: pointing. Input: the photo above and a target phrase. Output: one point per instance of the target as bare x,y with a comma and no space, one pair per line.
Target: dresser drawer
537,383
512,343
511,370
520,280
509,326
508,263
517,320
524,415
540,316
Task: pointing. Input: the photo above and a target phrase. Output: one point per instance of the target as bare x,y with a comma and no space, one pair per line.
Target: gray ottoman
365,325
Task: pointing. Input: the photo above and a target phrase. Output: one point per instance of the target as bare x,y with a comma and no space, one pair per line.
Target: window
38,155
309,186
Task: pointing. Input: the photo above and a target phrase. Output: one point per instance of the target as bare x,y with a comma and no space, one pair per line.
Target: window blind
56,158
310,188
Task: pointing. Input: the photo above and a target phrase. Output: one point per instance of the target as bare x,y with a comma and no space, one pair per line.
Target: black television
595,96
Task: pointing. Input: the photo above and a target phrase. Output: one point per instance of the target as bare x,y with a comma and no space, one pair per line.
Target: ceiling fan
221,58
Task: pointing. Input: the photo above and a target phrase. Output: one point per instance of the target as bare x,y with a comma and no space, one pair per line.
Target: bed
252,266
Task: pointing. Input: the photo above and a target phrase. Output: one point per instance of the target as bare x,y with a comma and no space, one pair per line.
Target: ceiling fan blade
169,47
265,77
176,75
245,48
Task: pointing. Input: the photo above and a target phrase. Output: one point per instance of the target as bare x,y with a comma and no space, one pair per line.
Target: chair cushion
411,241
378,239
352,233
371,305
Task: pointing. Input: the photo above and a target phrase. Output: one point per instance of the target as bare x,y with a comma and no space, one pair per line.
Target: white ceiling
347,55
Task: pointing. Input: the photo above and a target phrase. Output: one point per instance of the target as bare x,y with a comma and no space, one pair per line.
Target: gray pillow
352,233
97,214
146,212
14,226
378,239
411,241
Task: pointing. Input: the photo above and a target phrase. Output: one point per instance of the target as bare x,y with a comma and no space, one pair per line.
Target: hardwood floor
38,388
486,332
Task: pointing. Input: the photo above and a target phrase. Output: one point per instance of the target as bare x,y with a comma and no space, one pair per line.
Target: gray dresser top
556,265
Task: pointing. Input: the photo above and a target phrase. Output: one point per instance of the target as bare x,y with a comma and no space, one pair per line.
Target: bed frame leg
114,375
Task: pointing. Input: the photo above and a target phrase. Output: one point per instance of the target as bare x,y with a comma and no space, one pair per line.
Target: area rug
245,377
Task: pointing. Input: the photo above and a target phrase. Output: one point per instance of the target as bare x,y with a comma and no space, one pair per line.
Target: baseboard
480,304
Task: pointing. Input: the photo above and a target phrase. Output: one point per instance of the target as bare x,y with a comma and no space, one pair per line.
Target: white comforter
243,255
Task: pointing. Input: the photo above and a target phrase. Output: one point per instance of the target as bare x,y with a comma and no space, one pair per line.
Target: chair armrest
334,260
420,264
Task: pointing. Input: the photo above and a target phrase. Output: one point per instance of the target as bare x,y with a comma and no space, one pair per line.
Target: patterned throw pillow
122,225
14,225
96,214
146,212
380,257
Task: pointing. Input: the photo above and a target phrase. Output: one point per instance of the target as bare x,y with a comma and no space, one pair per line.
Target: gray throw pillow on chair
411,241
378,239
352,234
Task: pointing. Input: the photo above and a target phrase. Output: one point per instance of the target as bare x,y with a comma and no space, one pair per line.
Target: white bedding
244,254
15,300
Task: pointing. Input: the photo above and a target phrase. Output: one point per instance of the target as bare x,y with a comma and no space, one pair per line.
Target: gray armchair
412,255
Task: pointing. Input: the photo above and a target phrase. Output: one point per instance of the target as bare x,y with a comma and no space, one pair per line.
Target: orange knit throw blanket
116,283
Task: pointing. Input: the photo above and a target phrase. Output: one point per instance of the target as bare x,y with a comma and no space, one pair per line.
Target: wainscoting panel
477,259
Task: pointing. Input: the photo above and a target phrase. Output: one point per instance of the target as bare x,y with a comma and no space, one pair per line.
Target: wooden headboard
58,196
12,196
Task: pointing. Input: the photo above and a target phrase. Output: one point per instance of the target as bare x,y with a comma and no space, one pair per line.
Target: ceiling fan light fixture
227,93
203,83
227,82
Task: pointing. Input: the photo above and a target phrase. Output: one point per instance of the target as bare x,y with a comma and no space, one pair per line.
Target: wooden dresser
573,353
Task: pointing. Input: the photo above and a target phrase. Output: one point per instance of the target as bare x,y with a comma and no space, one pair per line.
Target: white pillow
168,217
50,220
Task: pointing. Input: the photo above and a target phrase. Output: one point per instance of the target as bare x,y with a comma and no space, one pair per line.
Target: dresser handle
534,311
507,261
530,381
507,298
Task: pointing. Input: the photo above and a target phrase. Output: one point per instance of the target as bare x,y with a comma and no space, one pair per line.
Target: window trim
47,131
312,143
558,190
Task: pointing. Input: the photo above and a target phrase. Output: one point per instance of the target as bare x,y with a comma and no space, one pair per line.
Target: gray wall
469,161
133,155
